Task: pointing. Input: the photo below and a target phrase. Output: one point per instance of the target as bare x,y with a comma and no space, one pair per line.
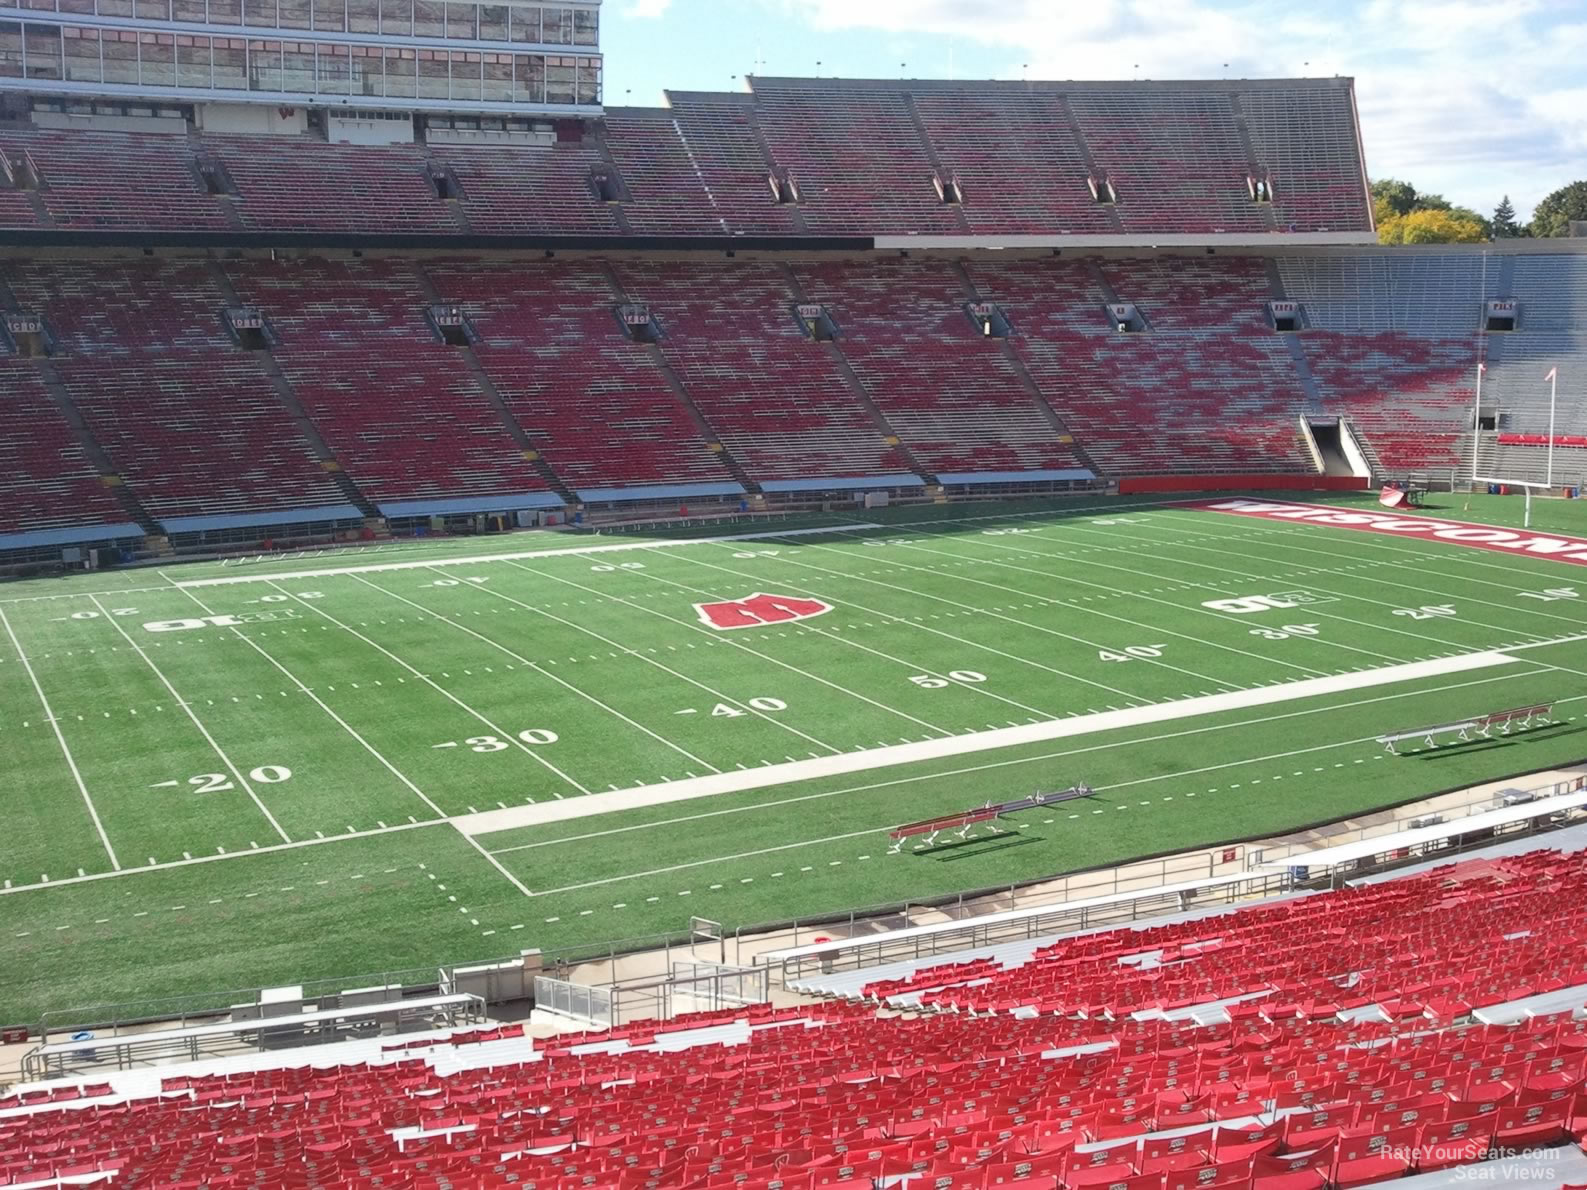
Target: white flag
1552,373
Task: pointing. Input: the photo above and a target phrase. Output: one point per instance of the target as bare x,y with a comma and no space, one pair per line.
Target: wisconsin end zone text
1484,537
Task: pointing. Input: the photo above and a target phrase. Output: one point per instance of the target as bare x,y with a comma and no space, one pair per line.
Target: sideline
483,559
981,741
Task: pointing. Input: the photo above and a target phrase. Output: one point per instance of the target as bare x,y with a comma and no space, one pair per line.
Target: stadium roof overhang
131,238
1264,241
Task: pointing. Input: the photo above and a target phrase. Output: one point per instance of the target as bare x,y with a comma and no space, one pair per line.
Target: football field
224,776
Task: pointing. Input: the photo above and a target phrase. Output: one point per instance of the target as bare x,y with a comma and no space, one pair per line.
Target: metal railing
577,1001
88,1053
111,1020
1038,921
748,941
1472,804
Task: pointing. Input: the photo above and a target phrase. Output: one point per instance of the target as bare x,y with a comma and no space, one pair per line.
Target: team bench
965,820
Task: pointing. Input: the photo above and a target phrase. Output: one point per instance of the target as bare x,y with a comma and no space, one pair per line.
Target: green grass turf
351,713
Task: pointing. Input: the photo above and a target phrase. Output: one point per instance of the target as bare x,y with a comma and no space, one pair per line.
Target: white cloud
647,10
1464,97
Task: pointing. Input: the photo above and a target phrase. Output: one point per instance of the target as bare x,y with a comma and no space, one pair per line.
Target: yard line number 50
967,677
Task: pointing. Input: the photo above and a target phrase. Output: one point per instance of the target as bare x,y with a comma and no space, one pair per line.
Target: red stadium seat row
1283,1094
402,413
1205,389
46,480
592,400
199,427
779,401
1420,950
953,395
864,156
1410,394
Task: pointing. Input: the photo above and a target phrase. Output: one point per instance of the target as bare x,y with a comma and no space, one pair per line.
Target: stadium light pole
1476,422
1553,386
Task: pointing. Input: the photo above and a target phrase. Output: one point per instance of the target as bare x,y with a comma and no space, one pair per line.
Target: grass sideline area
230,775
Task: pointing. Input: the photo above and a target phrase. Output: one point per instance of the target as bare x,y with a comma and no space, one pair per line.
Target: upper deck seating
110,181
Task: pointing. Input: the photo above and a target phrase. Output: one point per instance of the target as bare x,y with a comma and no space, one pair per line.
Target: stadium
844,632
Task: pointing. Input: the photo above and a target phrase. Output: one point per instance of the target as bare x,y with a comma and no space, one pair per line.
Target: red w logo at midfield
758,610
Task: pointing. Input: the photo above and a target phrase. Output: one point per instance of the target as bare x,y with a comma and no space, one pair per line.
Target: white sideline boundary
60,738
484,559
982,741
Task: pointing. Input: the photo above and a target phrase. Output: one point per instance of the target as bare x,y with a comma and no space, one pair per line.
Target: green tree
1399,197
1468,214
1554,214
1432,227
1395,201
1505,225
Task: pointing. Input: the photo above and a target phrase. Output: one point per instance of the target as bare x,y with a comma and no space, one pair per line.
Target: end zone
1555,547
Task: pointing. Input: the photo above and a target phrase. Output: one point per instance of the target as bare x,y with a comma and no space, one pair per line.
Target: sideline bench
1483,725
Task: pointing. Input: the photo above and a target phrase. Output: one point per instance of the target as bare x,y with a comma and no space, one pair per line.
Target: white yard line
340,722
220,752
84,595
1055,511
1545,644
482,559
60,738
1455,554
1225,591
501,733
726,639
496,863
1209,587
545,673
1006,590
227,857
1066,754
1405,558
921,627
1462,553
872,832
851,762
705,863
637,655
1097,611
596,809
1320,571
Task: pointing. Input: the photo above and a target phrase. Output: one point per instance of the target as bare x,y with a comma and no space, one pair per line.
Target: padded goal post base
964,821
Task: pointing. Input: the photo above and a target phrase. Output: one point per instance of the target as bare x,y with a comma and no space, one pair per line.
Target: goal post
1525,486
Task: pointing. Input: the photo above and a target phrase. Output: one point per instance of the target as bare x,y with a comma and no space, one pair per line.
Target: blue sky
1468,98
